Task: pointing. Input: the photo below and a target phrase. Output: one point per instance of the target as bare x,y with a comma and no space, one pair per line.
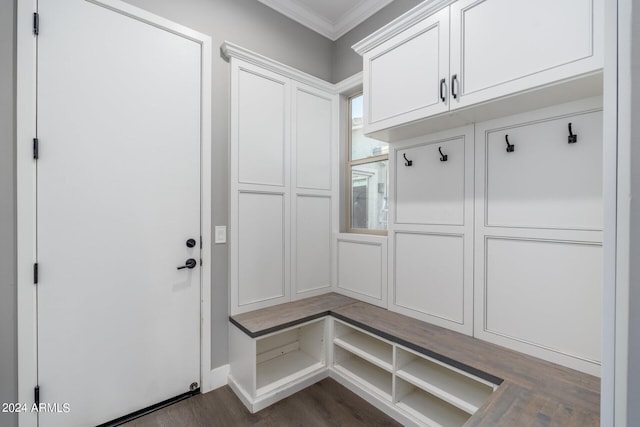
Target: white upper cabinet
472,57
405,77
499,47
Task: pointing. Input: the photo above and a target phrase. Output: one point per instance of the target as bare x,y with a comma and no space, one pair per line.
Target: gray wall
8,330
345,61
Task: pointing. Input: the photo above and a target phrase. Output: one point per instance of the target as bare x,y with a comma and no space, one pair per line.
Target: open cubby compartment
363,344
426,408
285,356
454,386
371,377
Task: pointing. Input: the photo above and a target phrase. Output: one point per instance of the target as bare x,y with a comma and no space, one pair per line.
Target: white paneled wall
314,168
362,267
539,233
283,179
431,229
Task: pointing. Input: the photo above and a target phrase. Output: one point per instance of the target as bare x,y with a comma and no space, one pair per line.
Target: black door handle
190,263
454,79
442,90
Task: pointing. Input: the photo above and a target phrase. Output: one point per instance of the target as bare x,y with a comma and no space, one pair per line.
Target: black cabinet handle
454,79
442,90
190,263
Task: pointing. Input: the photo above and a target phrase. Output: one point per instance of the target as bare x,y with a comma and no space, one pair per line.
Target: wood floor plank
325,403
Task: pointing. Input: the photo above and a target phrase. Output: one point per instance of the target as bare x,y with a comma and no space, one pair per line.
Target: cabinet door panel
361,268
312,139
313,243
402,75
261,247
429,274
505,46
431,191
546,182
263,111
545,293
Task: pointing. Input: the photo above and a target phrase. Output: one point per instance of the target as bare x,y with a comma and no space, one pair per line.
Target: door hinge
36,148
36,395
35,273
36,23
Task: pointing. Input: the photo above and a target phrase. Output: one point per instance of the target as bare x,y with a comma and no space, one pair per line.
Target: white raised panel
362,267
429,274
546,182
312,138
263,101
402,76
546,294
261,248
313,242
431,191
505,46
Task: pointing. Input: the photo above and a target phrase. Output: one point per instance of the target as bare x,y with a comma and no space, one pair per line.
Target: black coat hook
443,157
572,138
510,147
407,162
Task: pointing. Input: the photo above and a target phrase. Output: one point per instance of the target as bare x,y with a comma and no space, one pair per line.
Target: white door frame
26,192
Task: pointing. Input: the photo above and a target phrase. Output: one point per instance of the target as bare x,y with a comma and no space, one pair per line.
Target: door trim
26,193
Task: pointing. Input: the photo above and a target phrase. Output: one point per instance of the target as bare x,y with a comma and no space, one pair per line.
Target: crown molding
331,30
356,16
400,24
350,84
230,50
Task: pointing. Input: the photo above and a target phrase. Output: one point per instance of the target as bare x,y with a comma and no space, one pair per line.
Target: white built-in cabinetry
283,167
269,368
410,386
421,389
539,233
431,228
502,244
445,56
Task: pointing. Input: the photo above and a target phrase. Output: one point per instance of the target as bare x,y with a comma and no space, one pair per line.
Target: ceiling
331,18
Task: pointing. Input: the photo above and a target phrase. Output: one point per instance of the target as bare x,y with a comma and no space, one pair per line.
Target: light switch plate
221,234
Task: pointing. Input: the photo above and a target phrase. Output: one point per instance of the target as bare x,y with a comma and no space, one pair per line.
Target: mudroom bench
418,373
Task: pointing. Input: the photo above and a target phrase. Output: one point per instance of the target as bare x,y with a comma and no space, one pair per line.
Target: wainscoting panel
431,191
546,182
262,120
262,259
545,293
312,134
362,267
312,244
429,275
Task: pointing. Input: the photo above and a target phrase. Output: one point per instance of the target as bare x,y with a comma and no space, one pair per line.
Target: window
367,176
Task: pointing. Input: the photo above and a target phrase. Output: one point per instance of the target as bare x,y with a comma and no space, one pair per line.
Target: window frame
349,164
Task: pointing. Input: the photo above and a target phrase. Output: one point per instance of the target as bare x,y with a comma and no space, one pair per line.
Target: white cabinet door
405,77
313,185
261,126
501,47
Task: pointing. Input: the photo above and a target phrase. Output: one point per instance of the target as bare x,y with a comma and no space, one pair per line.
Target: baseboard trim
219,377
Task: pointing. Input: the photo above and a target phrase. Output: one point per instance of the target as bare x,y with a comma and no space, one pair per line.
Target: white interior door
118,195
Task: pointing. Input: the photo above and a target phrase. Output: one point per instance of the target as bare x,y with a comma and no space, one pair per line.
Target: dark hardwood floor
326,403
